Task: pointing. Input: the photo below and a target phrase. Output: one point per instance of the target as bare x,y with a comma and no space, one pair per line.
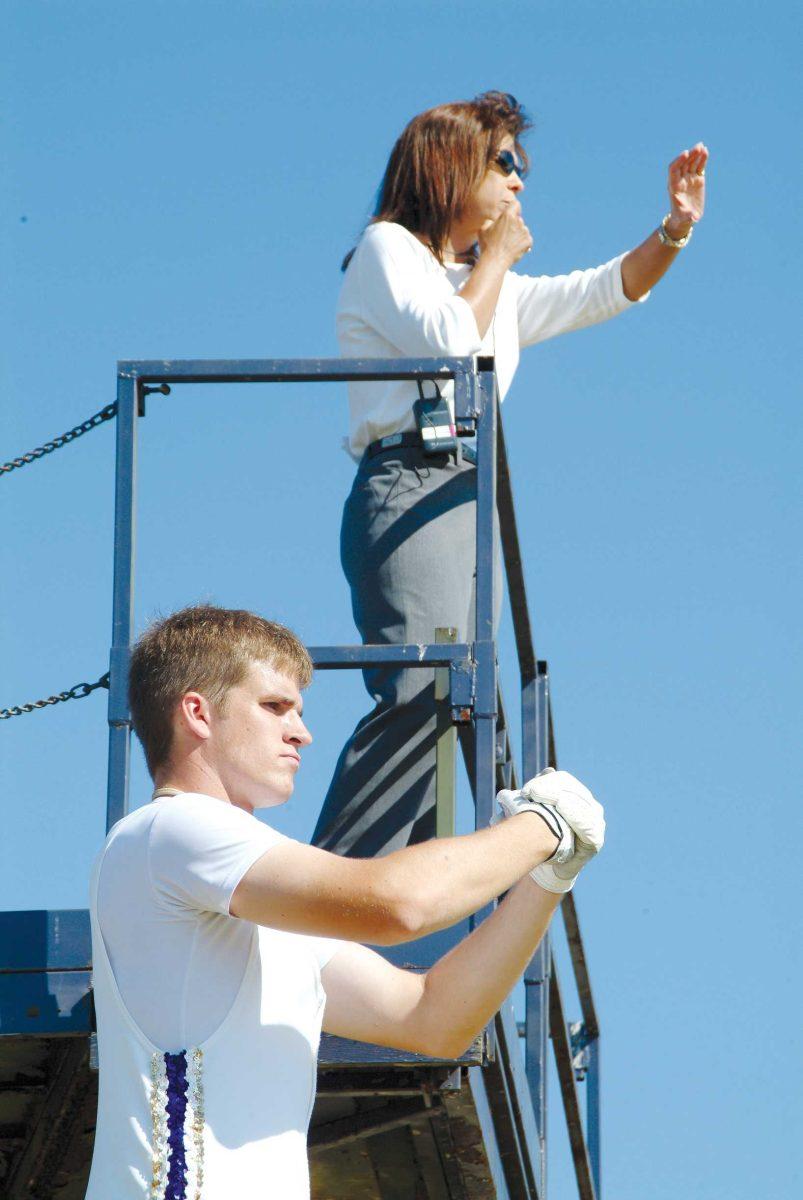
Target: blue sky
181,181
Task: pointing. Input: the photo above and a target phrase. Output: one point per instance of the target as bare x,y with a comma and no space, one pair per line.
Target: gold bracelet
668,240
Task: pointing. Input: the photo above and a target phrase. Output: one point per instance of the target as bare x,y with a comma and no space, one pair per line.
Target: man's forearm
467,986
447,879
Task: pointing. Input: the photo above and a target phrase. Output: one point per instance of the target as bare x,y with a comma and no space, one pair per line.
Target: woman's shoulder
385,250
392,236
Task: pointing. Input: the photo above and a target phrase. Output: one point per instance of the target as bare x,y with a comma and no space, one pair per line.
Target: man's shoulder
195,815
189,816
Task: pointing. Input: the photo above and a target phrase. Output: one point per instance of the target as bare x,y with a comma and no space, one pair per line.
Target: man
221,947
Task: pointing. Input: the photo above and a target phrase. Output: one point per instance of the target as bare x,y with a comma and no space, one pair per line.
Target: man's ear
195,715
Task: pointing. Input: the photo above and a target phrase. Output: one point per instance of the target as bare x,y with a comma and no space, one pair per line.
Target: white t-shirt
163,907
397,301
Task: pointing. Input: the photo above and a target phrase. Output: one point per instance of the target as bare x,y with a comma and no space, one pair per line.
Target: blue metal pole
122,614
484,645
593,1133
535,756
483,388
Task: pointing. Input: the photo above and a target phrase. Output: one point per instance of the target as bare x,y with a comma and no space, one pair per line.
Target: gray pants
408,552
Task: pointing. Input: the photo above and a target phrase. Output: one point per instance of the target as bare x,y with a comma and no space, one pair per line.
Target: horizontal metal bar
412,1080
291,370
343,1052
425,654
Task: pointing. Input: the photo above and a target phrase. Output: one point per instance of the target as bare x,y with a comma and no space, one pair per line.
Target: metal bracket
579,1041
462,686
145,390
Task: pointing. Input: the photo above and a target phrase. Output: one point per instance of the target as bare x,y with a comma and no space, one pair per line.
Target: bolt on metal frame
466,676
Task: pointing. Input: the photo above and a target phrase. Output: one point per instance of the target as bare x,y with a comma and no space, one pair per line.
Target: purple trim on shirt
176,1066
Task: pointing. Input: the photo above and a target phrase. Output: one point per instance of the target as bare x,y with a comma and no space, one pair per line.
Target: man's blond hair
202,649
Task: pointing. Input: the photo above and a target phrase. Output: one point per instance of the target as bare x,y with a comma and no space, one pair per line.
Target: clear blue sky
182,180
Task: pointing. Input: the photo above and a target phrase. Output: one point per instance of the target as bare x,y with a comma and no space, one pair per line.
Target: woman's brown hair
441,158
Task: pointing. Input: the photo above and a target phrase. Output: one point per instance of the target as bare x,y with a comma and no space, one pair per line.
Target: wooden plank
342,1172
396,1167
367,1122
429,1162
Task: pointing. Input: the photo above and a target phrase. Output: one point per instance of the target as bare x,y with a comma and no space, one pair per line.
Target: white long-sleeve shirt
397,301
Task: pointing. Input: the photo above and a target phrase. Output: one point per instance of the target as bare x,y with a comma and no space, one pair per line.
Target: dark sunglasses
507,163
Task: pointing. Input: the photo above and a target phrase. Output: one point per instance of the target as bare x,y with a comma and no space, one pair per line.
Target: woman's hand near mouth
507,238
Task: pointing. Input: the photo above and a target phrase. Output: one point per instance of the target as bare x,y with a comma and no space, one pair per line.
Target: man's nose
298,732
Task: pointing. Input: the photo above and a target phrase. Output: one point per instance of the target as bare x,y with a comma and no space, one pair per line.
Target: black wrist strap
552,822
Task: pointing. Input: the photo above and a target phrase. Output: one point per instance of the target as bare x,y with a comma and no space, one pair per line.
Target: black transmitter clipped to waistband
435,421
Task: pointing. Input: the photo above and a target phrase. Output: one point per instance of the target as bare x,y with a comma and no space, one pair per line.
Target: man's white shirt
163,906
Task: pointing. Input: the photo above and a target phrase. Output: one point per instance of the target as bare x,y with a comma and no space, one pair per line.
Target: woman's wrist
678,227
495,260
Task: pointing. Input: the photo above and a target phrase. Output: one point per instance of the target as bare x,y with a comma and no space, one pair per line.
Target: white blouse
397,301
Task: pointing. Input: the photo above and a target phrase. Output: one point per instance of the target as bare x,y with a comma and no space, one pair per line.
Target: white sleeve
397,299
200,848
325,948
551,304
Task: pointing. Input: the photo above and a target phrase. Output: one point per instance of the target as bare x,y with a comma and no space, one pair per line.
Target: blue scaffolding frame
55,946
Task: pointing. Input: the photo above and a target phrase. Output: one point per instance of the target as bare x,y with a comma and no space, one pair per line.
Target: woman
432,276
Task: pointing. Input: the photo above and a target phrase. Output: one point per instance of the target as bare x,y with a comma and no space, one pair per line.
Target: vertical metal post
122,615
484,644
593,1115
535,756
445,747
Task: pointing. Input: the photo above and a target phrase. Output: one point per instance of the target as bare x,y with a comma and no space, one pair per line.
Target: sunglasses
507,163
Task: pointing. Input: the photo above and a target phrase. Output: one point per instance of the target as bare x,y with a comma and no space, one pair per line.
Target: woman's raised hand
687,187
507,238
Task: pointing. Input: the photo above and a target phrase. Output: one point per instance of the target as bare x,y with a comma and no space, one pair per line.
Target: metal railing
466,685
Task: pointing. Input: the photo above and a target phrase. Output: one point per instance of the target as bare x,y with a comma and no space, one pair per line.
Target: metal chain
105,414
78,692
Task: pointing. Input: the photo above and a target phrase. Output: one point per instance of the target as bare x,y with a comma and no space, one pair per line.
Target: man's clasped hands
573,815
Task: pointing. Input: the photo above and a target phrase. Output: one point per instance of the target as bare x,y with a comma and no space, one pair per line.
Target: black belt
403,441
395,441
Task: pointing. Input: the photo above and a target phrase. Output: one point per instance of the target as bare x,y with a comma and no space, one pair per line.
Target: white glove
570,800
512,803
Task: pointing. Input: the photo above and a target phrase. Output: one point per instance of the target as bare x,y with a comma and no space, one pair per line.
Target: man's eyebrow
280,698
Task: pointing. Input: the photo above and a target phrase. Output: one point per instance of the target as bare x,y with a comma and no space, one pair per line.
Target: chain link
78,692
92,422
